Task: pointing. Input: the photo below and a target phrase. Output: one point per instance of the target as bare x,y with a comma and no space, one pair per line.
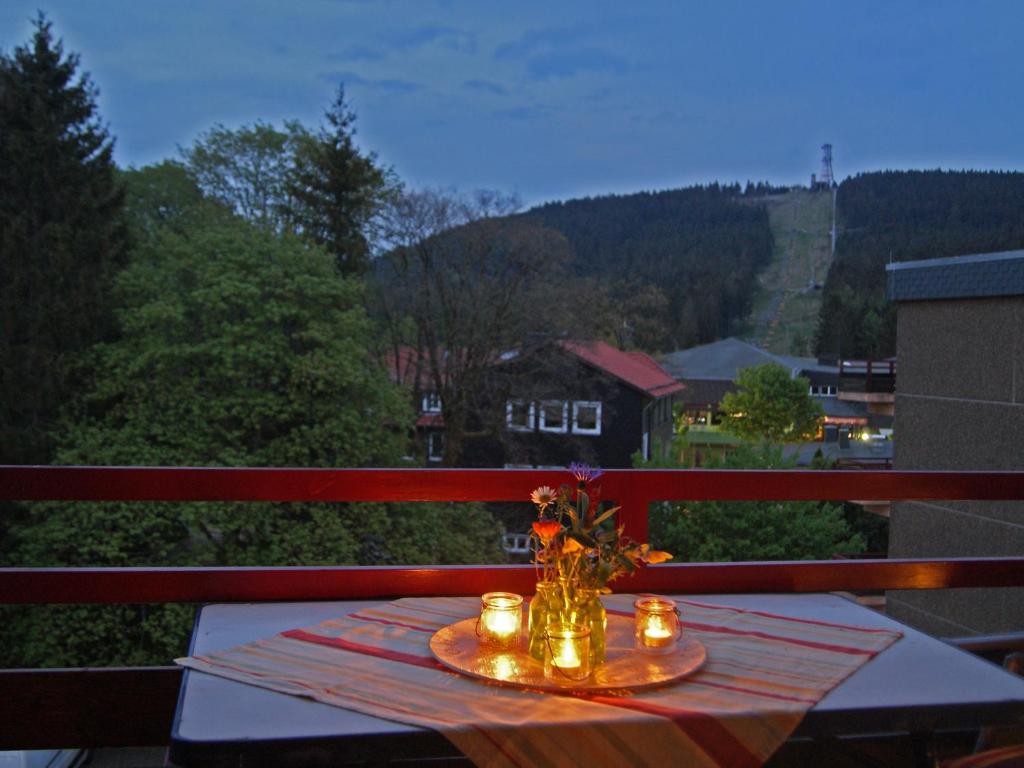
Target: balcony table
919,684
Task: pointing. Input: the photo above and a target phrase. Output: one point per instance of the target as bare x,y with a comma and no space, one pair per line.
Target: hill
904,216
681,265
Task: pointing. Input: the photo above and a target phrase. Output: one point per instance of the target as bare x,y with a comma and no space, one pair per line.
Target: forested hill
903,216
681,265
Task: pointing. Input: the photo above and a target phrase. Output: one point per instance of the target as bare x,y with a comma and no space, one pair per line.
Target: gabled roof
722,360
637,369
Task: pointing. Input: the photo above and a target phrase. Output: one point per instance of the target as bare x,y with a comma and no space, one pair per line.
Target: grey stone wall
959,406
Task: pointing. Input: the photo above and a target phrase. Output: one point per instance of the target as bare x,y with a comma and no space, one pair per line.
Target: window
823,390
435,446
519,415
586,417
554,416
431,403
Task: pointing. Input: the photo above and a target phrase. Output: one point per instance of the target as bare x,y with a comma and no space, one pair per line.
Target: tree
320,185
713,531
248,170
770,406
461,285
61,237
337,190
239,347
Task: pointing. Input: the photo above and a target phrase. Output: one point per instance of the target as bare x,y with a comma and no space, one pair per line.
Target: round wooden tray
458,648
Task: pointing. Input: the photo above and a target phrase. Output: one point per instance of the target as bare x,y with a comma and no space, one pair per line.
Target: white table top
918,684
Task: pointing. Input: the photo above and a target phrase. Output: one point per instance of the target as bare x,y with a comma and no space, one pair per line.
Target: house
563,401
551,403
710,370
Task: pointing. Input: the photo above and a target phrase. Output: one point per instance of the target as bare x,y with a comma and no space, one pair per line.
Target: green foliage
248,170
713,531
61,238
317,185
163,195
895,216
239,347
770,406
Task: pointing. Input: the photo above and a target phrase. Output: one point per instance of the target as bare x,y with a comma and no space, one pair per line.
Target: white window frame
576,428
431,403
531,418
432,455
542,422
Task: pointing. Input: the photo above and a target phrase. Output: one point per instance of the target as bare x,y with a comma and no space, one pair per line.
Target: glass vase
541,613
587,609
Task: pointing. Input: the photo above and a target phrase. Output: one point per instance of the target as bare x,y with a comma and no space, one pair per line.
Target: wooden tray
458,648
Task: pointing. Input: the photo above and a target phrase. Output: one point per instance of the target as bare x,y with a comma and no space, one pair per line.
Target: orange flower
546,530
543,497
656,556
570,546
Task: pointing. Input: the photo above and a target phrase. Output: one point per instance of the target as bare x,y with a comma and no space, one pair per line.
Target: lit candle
657,625
567,652
501,619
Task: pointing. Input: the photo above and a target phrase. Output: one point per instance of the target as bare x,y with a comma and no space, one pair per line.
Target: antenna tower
826,179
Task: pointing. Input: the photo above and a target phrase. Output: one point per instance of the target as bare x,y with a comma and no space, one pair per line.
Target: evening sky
562,99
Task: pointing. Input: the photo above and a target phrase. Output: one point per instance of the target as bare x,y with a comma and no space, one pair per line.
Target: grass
785,312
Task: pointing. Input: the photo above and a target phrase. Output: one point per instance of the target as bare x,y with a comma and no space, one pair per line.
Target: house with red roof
552,403
564,401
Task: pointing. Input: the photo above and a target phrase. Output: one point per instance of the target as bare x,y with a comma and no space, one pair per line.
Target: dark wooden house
565,401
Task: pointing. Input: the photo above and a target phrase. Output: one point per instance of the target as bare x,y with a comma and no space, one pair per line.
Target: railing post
634,513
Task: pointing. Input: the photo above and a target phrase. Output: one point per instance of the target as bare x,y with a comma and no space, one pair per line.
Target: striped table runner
762,674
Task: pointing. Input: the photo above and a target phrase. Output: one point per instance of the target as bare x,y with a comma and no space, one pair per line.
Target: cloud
385,85
566,63
487,86
664,117
535,40
358,53
430,34
522,113
559,52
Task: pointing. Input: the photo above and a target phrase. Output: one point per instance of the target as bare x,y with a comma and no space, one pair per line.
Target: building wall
959,406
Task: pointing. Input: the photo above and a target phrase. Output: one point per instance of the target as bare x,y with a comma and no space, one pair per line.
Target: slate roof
722,360
637,369
957,277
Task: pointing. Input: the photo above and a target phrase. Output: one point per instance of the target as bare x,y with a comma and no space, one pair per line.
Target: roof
637,369
722,360
957,277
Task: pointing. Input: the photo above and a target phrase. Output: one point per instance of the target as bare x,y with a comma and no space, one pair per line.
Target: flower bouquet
578,551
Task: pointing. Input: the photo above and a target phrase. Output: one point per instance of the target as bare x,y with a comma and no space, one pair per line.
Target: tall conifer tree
337,189
61,236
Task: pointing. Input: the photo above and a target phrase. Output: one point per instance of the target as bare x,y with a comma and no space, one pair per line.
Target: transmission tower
827,179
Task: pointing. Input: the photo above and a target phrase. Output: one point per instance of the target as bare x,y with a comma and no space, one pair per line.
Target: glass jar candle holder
567,652
501,620
656,628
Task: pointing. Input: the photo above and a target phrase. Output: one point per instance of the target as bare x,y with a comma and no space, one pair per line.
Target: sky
554,100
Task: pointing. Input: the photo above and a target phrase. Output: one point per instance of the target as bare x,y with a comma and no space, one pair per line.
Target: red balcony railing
128,707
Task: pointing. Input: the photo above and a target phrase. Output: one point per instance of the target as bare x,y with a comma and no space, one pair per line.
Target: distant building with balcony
709,372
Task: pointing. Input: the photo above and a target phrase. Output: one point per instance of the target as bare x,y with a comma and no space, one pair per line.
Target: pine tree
61,237
337,190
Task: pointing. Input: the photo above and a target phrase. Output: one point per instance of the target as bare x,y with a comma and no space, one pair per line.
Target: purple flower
584,473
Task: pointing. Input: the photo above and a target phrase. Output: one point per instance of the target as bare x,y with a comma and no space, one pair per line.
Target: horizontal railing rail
635,489
199,585
134,707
